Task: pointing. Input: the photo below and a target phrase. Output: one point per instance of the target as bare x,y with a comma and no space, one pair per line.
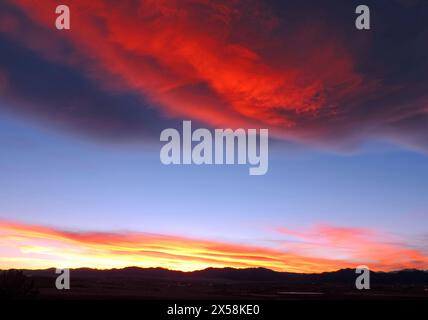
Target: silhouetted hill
250,274
227,283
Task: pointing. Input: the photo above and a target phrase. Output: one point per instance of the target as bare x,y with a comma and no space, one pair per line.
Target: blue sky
58,179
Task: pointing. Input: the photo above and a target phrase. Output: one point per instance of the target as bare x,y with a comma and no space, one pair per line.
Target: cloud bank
330,248
299,69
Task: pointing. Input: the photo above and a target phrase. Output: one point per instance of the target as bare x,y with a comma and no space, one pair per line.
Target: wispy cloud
30,246
360,245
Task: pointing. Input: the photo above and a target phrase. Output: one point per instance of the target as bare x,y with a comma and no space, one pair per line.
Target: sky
81,111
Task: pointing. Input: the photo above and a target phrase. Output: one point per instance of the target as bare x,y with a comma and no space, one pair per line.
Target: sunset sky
81,110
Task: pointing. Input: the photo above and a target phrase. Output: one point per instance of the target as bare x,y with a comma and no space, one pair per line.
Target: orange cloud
30,246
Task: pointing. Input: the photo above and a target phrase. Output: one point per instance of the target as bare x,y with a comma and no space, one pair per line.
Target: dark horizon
214,283
216,268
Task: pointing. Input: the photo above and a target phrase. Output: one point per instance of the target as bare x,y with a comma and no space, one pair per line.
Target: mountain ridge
404,276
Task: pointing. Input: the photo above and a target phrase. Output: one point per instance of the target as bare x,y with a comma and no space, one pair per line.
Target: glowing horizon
37,247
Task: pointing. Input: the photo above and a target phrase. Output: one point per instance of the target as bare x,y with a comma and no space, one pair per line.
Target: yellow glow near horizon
36,247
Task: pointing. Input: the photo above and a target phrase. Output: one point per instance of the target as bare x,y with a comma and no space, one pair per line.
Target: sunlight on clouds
32,246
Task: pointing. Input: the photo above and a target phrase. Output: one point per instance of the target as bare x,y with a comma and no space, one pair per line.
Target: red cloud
306,75
228,63
360,245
